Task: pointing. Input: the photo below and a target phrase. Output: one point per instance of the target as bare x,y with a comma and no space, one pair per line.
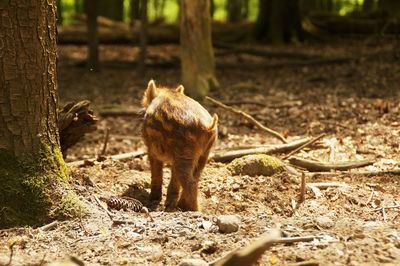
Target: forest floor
356,103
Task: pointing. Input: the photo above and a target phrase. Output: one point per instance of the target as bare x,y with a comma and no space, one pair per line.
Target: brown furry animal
179,131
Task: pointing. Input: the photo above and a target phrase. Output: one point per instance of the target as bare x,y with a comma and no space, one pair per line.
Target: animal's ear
150,93
180,89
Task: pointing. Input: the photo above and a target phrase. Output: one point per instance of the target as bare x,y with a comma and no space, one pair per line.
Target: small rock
324,222
228,223
193,262
206,225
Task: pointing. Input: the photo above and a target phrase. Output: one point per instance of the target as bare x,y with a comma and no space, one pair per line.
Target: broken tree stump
74,121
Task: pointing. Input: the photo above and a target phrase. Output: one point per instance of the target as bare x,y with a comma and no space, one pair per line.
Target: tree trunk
79,6
113,9
141,66
197,55
33,175
135,11
278,21
234,8
93,36
391,7
368,6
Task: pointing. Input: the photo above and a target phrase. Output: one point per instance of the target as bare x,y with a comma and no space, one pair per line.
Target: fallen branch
249,118
326,185
308,143
318,166
120,112
388,207
226,156
251,253
49,226
110,214
118,157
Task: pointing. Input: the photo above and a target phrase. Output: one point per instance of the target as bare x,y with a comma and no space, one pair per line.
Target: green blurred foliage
171,9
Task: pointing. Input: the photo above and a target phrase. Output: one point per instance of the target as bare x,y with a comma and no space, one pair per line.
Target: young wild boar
179,131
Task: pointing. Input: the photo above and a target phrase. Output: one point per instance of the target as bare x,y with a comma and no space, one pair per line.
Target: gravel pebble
228,223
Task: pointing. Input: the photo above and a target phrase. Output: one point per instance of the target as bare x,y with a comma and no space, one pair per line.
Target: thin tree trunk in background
93,36
275,33
141,65
33,175
245,12
79,6
197,55
134,11
391,7
278,21
234,8
368,6
113,9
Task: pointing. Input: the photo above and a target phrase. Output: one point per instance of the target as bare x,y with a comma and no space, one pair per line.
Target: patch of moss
32,187
257,164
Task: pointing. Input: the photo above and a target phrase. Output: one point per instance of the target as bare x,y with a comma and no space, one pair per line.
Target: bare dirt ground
355,103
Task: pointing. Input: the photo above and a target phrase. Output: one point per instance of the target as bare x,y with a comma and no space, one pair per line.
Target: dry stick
326,185
370,198
103,151
249,118
388,207
318,166
384,214
225,156
111,215
11,247
308,143
251,253
49,226
118,157
302,188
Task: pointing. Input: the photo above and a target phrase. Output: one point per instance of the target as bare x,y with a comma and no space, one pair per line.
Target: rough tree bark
197,55
33,175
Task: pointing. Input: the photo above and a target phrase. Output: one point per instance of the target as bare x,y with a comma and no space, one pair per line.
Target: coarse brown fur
179,131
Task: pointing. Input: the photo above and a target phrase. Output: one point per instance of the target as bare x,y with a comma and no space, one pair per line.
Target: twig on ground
11,247
302,188
370,198
226,156
80,220
304,145
326,185
387,207
317,191
251,253
118,157
49,226
42,261
111,215
318,166
249,118
118,221
106,137
384,214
